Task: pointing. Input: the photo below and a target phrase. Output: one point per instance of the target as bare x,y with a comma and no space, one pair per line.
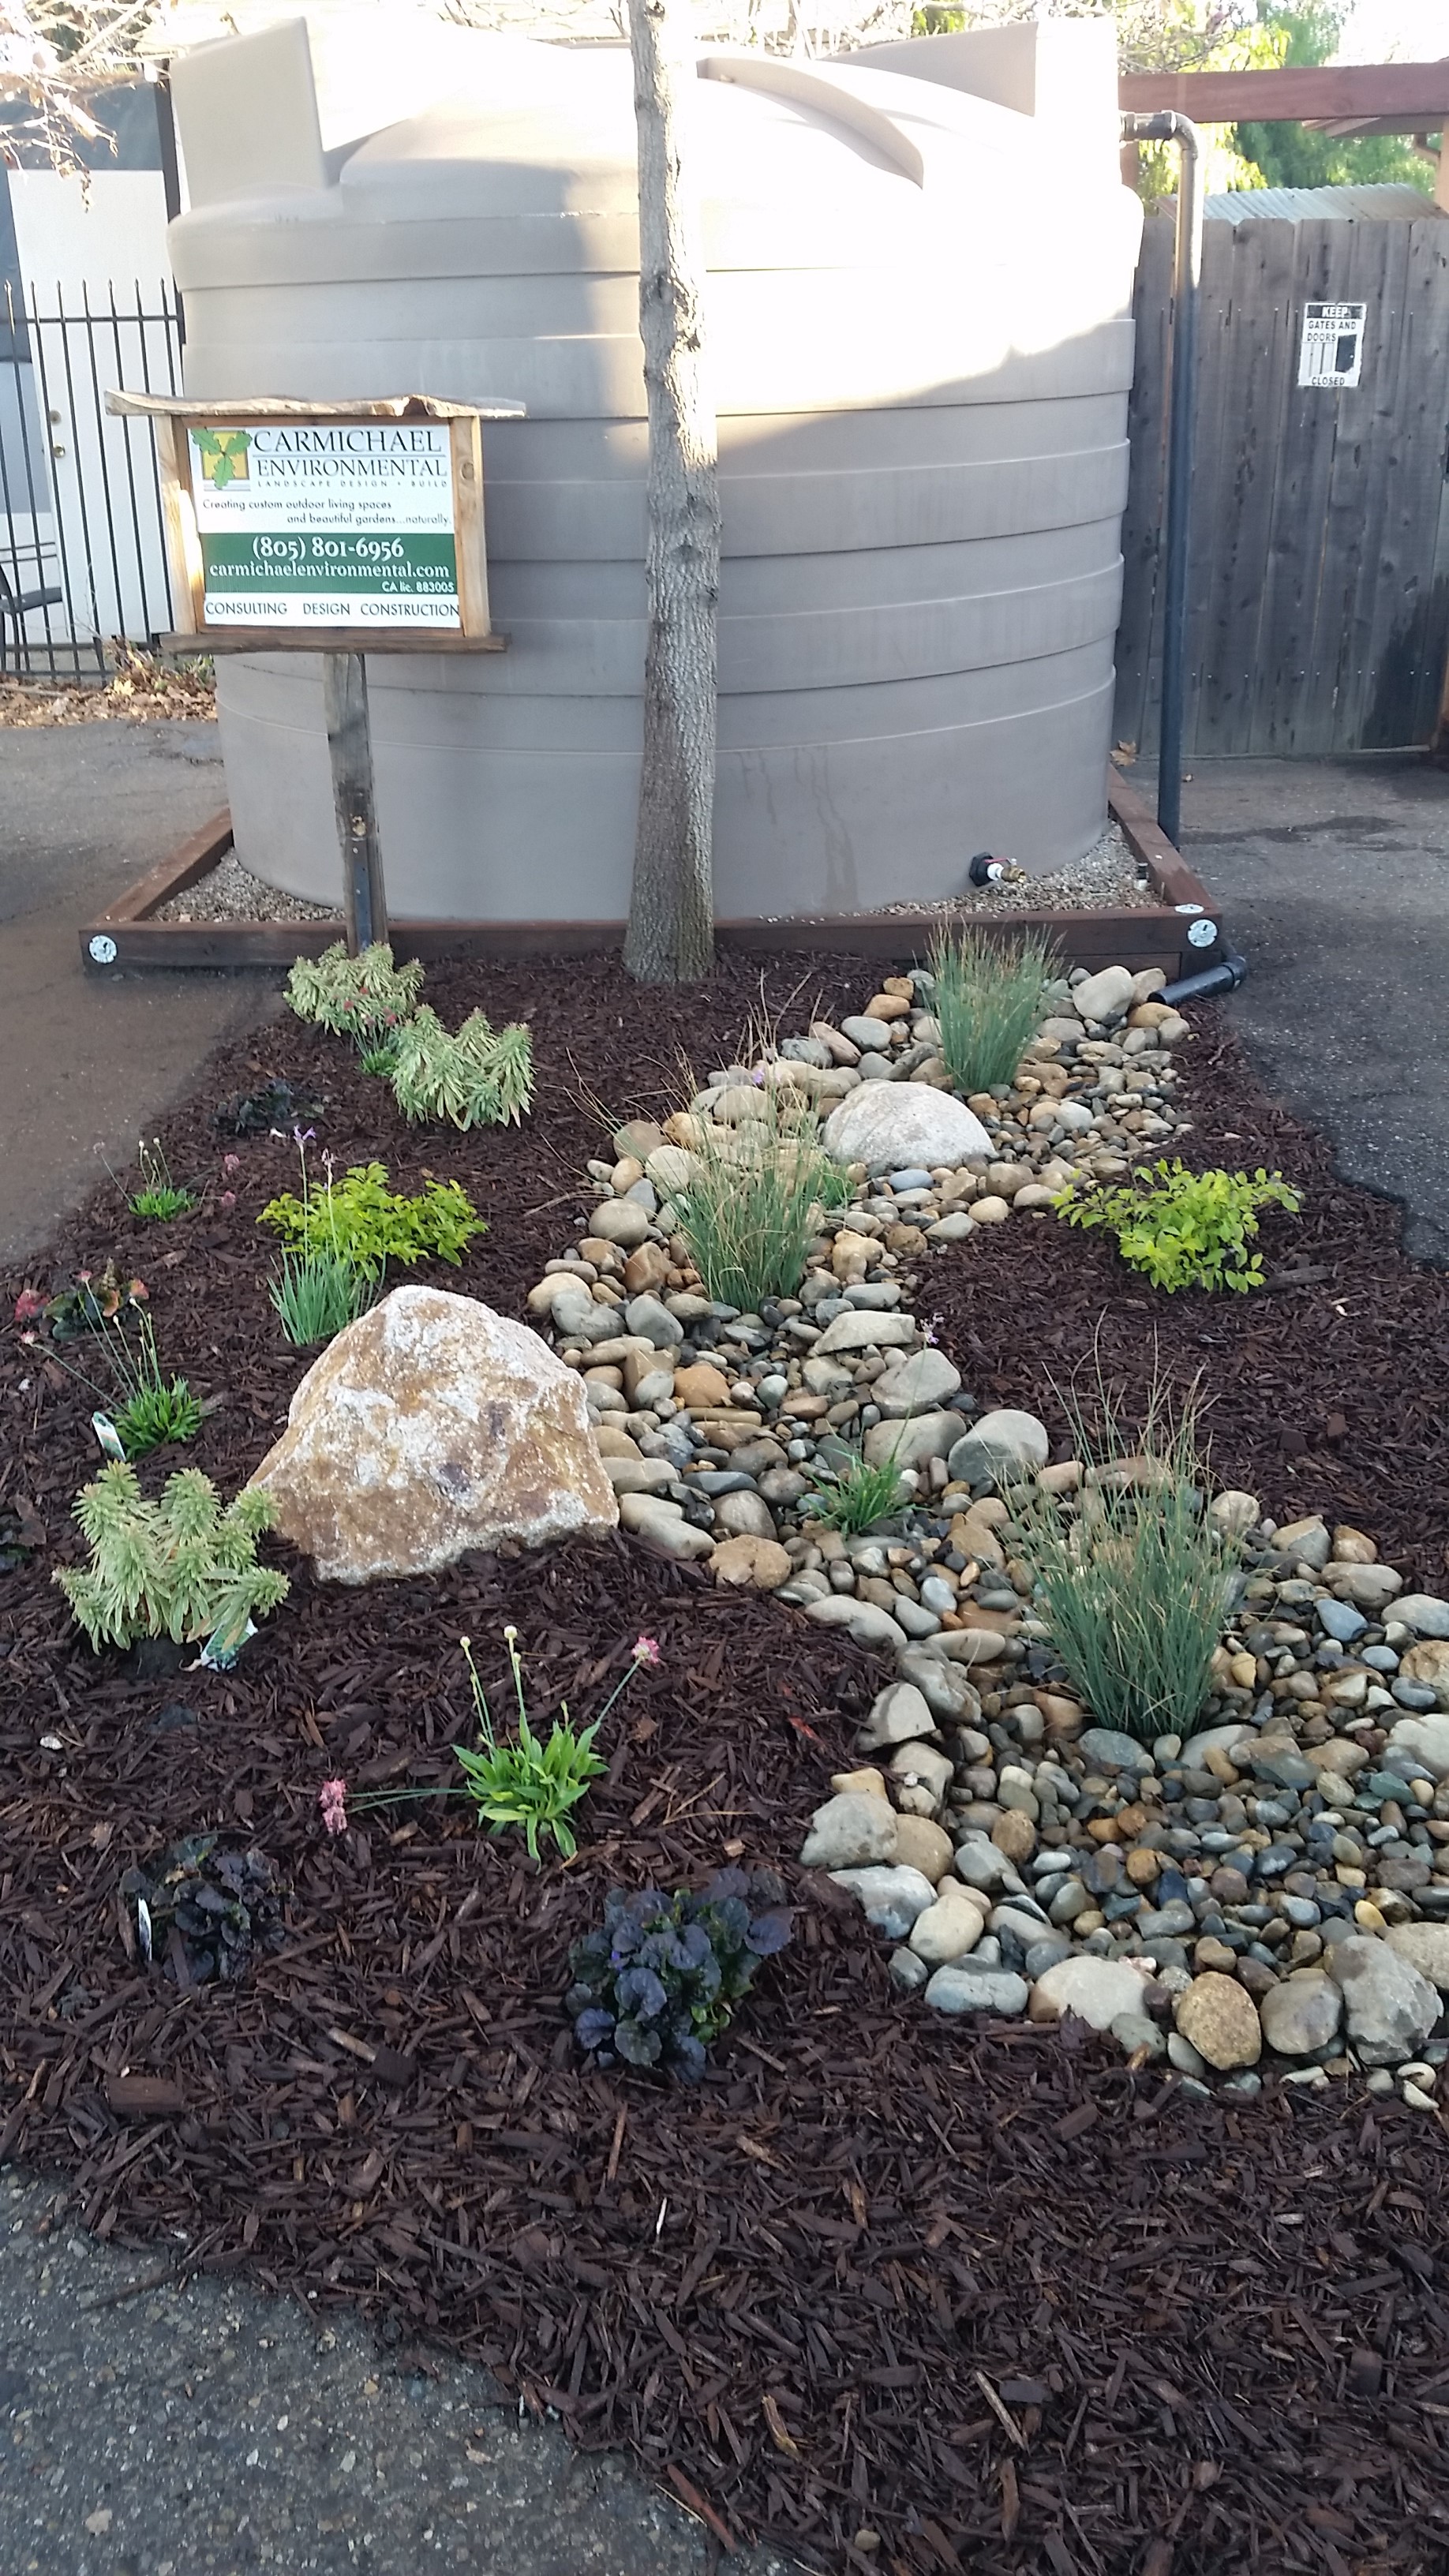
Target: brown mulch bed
1330,1396
984,2294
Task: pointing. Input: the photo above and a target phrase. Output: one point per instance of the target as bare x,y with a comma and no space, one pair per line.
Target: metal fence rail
81,530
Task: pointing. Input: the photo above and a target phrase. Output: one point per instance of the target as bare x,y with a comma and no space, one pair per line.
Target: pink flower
28,1305
646,1650
332,1799
231,1162
227,1199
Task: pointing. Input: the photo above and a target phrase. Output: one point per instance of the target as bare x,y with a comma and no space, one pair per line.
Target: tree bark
670,938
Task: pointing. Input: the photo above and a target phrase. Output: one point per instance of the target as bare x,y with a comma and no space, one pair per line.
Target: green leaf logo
224,455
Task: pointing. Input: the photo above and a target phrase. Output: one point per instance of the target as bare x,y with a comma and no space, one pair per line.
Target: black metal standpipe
1168,127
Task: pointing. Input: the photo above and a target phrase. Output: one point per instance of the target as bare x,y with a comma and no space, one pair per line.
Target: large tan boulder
430,1426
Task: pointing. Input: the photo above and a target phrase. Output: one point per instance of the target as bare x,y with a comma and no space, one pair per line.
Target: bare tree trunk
670,938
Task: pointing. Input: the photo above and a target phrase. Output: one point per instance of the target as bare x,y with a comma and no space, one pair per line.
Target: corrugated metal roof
1392,202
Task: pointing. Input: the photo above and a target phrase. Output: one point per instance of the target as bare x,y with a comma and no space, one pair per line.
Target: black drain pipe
1168,127
1225,977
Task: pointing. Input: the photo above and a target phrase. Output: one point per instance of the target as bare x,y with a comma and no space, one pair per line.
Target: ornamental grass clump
1184,1229
1131,1574
182,1567
754,1199
153,1408
854,1497
989,997
661,1977
159,1198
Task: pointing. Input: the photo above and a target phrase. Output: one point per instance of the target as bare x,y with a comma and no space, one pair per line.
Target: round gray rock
1006,1443
891,1126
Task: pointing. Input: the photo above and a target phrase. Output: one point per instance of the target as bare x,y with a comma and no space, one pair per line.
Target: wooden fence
1319,568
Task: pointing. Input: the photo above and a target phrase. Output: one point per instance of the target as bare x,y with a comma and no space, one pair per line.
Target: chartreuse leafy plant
1184,1229
320,1285
181,1567
988,999
365,998
481,1078
660,1979
1131,1574
530,1784
361,1220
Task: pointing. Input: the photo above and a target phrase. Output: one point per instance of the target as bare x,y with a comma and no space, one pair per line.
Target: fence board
1319,567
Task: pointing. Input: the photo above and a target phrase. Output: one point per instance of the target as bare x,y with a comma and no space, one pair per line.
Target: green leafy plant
661,1977
1131,1574
93,1299
272,1110
180,1567
481,1078
364,997
529,1783
1184,1229
988,999
365,1223
153,1408
380,1060
321,1284
159,1198
753,1201
853,1498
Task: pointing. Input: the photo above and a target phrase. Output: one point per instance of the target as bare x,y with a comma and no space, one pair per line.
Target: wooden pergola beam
1415,96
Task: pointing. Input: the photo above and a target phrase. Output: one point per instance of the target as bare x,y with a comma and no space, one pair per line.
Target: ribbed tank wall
923,467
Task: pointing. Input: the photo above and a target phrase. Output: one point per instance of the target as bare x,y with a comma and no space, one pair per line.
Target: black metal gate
81,529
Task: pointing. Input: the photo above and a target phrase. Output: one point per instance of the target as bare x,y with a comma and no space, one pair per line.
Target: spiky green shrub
989,998
481,1078
1131,1574
177,1568
362,997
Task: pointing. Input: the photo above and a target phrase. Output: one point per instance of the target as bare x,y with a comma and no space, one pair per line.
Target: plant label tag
225,1643
108,1437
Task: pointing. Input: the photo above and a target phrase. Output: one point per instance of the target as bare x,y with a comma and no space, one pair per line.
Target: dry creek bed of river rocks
1273,1892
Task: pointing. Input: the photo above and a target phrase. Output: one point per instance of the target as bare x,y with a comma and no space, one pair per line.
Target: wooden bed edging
128,934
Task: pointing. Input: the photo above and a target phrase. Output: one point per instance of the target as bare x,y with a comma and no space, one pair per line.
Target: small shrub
380,1061
1184,1229
1131,1576
213,1908
159,1198
96,1298
480,1078
364,1222
153,1409
530,1783
988,1000
853,1498
276,1109
661,1978
752,1204
178,1568
362,997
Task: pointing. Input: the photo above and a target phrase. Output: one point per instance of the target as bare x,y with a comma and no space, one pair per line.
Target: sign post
338,528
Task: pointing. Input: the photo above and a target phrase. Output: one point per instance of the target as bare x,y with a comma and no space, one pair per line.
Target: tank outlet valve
987,871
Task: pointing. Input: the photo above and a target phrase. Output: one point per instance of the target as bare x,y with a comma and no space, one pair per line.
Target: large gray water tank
920,352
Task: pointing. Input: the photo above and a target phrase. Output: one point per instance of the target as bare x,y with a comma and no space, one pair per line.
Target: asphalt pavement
1333,878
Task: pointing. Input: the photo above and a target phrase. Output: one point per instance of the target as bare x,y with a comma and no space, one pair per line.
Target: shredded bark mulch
889,2291
1328,1392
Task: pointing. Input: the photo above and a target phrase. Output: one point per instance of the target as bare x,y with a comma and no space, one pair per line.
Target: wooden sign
316,526
339,528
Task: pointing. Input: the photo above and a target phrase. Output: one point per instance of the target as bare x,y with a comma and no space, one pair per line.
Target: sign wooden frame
173,415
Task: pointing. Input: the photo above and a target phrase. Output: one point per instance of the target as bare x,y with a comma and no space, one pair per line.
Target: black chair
16,605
